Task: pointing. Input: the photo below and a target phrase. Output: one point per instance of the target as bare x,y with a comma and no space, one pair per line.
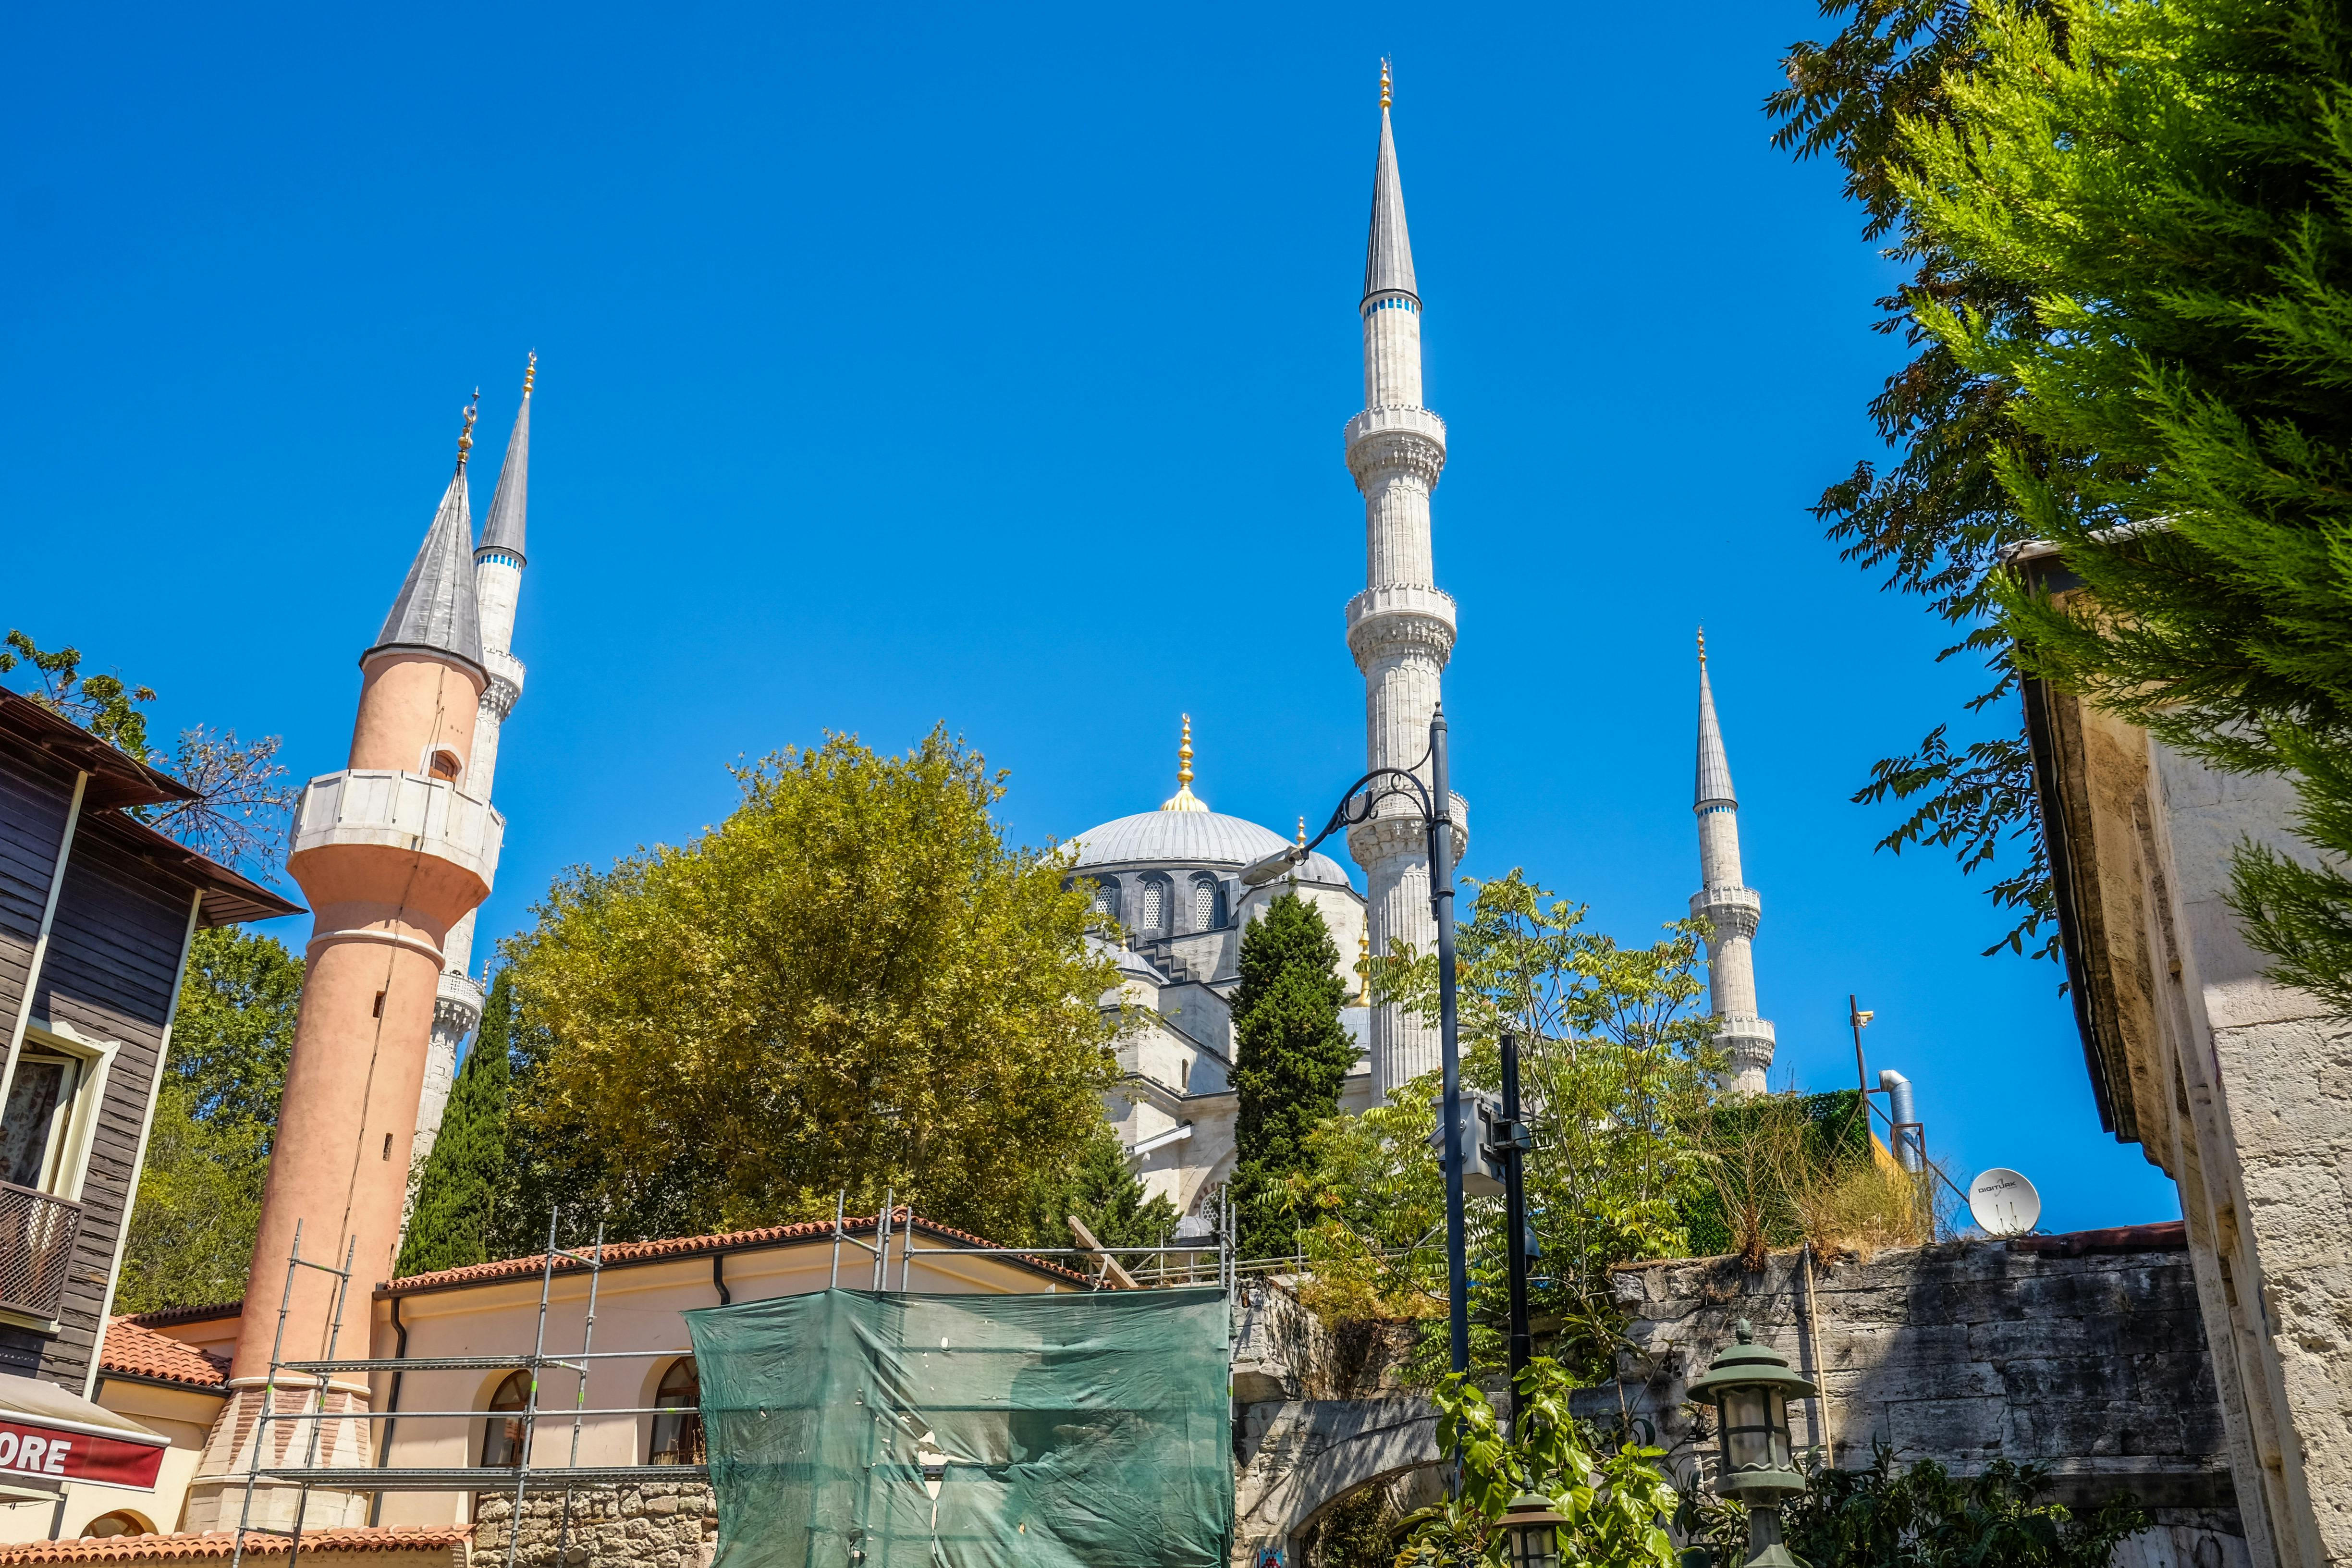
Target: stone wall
666,1524
2084,1355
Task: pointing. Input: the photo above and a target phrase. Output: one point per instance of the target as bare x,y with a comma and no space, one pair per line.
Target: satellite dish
2004,1203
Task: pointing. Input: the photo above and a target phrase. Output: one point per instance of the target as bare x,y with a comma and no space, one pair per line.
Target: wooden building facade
98,911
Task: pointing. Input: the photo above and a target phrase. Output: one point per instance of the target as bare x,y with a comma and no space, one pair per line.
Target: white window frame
73,1136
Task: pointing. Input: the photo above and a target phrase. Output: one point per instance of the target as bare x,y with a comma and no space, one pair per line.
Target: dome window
1155,904
1204,903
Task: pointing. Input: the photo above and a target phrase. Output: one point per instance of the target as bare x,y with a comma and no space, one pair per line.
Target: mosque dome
1192,838
1185,833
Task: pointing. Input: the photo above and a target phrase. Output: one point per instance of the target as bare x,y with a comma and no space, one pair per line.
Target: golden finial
1387,85
1184,799
1302,833
1364,968
1702,643
466,435
529,369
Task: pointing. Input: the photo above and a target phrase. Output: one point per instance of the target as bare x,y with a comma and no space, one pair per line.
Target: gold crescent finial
1387,82
1702,643
466,435
1302,833
1184,755
529,369
1364,968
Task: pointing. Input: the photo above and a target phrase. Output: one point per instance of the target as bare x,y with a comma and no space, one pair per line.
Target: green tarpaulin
859,1430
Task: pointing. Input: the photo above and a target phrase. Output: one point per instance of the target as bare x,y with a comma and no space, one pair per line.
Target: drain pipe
392,1407
1903,1115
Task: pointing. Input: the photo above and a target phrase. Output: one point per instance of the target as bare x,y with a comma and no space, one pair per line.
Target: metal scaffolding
523,1478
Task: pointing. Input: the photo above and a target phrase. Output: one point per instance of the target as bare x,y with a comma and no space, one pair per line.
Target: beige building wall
2239,1087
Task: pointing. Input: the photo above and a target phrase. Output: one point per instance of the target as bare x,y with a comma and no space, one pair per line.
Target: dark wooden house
97,913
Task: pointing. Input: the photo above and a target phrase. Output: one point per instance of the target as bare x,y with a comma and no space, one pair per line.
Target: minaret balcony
505,681
457,1005
1392,618
1395,438
1732,912
385,809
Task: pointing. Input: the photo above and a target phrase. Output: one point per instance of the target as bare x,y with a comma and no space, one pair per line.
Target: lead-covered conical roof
436,608
1714,787
503,529
1388,258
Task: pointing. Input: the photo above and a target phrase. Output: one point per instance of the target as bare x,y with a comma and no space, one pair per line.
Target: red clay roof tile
132,1350
221,1543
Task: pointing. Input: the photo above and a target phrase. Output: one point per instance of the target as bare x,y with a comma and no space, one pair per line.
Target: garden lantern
1531,1532
1750,1386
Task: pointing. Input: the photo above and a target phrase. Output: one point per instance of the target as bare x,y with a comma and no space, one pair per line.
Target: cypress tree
1291,1056
458,1194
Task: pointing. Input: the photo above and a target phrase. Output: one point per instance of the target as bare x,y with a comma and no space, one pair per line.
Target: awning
47,1432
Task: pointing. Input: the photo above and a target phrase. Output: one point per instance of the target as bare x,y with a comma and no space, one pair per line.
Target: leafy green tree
1291,1057
1617,1072
1103,1190
853,983
466,1180
243,802
1935,518
1617,1501
1924,1517
2168,183
199,1200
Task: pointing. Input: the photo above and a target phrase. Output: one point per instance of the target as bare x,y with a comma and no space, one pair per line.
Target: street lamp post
1434,802
1750,1386
1513,1144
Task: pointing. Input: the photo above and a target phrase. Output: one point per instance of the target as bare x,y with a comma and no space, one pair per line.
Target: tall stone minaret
1730,909
391,852
1401,628
497,587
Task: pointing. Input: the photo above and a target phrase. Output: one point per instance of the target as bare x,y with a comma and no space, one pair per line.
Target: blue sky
988,365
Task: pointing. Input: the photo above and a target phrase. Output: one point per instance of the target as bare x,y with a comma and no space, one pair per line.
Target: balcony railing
402,811
36,1242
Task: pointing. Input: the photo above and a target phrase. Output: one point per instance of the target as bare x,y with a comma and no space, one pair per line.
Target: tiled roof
622,1253
134,1350
221,1543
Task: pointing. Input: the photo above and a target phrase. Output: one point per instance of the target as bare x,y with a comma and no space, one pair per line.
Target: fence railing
36,1242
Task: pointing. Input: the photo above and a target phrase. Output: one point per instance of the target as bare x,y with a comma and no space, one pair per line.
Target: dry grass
1866,1208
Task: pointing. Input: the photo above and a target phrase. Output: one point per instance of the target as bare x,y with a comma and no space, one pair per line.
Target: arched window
1107,899
1155,904
678,1439
122,1522
503,1435
1204,903
442,765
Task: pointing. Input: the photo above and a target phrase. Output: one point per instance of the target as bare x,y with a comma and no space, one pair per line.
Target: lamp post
1434,803
1750,1386
1512,1142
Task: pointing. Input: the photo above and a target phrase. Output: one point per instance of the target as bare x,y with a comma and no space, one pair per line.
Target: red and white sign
78,1455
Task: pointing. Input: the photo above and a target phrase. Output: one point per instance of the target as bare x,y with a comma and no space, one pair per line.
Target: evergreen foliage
199,1199
853,983
1937,516
1291,1057
1922,1516
1103,1190
2170,183
464,1184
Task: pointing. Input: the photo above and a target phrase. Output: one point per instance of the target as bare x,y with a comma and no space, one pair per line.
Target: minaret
1401,628
497,587
1730,909
391,852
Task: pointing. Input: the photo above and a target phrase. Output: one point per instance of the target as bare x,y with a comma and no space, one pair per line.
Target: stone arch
1304,1456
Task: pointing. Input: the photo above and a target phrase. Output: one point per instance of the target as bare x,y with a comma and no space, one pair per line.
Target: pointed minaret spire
1401,628
503,529
1388,257
1184,799
435,607
496,573
1730,909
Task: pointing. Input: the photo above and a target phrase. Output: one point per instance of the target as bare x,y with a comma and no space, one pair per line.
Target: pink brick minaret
391,852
